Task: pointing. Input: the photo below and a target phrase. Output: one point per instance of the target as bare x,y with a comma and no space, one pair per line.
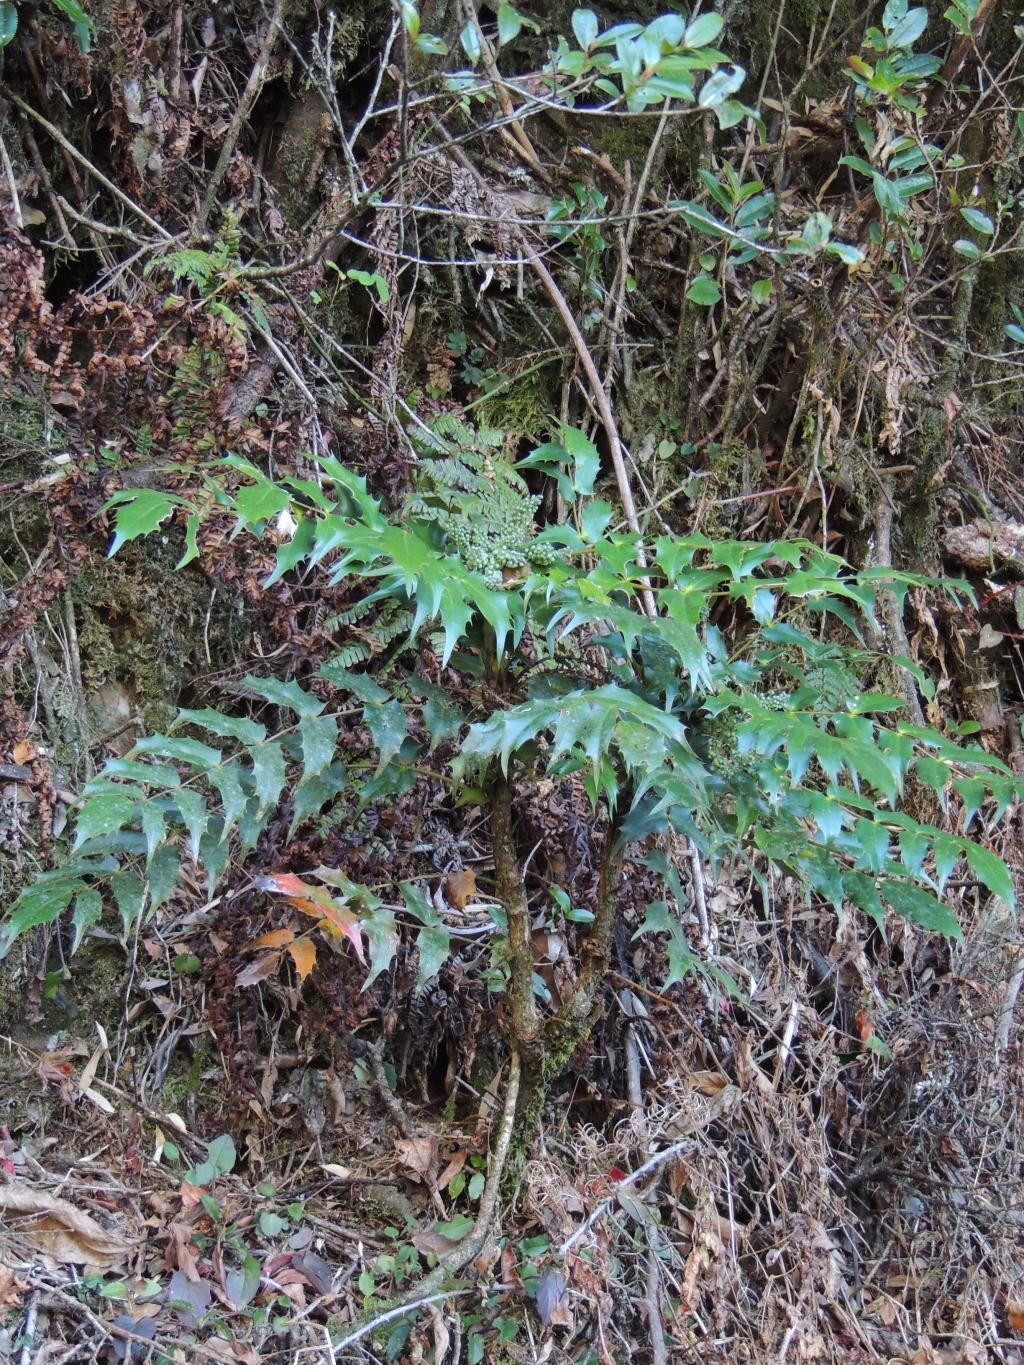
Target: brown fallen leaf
258,971
460,887
11,1288
60,1230
452,1169
419,1155
276,938
303,954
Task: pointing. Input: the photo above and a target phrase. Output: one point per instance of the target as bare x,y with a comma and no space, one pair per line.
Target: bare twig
257,77
651,1164
86,164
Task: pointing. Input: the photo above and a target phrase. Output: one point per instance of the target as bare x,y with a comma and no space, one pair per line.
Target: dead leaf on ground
11,1288
60,1230
460,887
418,1154
452,1169
303,954
257,971
276,938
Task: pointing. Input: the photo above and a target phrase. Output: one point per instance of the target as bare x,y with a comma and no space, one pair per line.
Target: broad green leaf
221,1154
469,39
584,26
269,773
704,291
138,512
981,222
909,29
382,936
88,908
103,814
8,22
719,86
510,21
703,30
459,1225
319,738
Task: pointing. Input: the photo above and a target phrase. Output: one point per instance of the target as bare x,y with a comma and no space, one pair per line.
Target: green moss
184,1078
133,632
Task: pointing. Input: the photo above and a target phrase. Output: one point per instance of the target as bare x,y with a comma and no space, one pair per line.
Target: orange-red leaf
341,923
319,904
284,884
276,938
303,953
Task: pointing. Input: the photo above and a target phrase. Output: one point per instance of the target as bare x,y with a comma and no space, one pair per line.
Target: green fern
483,506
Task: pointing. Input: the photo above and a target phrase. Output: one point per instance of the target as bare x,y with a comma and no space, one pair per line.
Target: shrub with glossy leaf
759,744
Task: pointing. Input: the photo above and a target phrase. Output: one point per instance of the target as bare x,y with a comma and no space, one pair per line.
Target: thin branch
86,164
257,77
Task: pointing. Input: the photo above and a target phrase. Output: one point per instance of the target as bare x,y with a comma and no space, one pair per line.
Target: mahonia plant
764,746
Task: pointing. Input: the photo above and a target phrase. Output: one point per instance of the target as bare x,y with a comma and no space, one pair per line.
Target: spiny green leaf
286,694
154,827
387,726
313,793
225,727
269,773
103,814
88,908
189,751
152,774
163,875
194,815
991,870
921,907
138,512
382,936
433,940
129,897
318,736
228,782
37,904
